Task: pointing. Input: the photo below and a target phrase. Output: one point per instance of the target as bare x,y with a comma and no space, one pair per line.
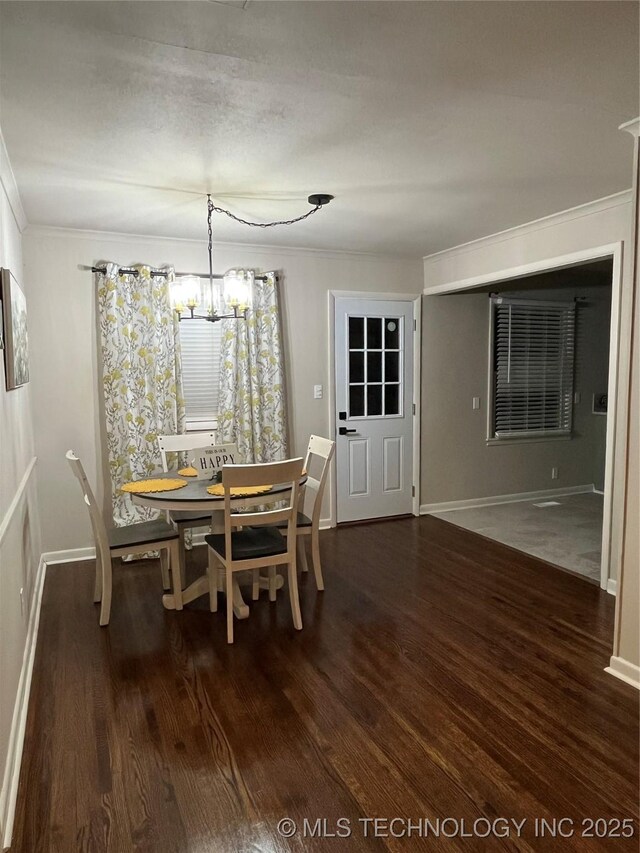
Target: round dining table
194,496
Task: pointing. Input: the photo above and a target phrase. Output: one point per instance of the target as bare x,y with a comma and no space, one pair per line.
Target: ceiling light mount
320,199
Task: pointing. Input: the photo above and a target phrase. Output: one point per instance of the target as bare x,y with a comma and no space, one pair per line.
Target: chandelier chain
212,208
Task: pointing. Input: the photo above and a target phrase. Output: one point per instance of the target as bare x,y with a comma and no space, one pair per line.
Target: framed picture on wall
14,335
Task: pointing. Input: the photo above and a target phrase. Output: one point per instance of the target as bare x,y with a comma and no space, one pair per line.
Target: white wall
606,221
19,532
64,342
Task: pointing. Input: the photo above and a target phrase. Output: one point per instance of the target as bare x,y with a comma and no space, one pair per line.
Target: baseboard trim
72,555
625,671
612,586
9,793
494,500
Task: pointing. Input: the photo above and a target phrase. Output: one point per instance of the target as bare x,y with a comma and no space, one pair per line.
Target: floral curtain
252,410
141,377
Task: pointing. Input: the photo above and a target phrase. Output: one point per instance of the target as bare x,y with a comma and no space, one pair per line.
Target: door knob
345,431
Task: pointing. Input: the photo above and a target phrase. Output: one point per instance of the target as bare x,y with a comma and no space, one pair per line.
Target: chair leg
315,553
293,595
272,583
229,597
174,562
97,587
212,572
105,607
255,590
302,553
164,568
183,558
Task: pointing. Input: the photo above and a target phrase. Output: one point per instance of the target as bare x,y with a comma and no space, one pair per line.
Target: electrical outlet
476,403
317,392
554,473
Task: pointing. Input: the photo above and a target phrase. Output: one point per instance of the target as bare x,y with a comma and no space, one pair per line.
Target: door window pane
374,332
392,333
356,332
391,399
374,400
356,367
374,367
356,401
392,366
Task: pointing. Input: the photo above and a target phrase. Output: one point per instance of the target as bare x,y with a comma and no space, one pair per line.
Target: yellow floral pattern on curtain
252,400
141,377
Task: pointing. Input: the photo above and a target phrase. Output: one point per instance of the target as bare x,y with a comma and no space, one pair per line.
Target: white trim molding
19,721
624,670
22,485
612,584
550,221
8,181
495,500
249,248
72,555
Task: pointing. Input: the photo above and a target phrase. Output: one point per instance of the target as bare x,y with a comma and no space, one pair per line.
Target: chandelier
225,297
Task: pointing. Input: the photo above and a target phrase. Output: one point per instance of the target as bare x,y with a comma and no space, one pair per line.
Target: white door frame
619,363
417,365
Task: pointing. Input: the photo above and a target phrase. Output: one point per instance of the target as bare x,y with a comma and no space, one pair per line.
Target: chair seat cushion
141,534
250,543
194,518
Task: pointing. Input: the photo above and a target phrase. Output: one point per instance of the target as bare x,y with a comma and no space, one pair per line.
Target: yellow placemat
239,491
160,485
189,471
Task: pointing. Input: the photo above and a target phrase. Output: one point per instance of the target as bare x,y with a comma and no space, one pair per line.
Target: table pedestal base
201,587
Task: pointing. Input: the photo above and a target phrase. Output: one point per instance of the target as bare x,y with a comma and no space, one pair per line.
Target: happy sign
208,461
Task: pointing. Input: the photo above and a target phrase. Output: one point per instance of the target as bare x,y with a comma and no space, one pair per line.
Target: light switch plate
476,403
317,392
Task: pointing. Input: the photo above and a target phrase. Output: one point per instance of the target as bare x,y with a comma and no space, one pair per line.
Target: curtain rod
164,273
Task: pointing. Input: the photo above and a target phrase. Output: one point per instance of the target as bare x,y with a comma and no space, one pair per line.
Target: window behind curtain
200,344
532,368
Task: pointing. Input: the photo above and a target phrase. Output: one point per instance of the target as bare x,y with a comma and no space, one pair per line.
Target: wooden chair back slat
183,444
267,474
319,454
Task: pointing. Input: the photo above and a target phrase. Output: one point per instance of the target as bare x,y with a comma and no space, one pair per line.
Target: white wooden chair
255,547
155,535
184,520
316,463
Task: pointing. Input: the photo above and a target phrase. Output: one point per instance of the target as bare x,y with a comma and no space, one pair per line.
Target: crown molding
551,221
8,181
247,248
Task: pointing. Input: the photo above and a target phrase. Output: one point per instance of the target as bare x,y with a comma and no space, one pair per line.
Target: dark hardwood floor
439,676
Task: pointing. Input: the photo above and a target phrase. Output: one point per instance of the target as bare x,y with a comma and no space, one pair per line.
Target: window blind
200,344
533,350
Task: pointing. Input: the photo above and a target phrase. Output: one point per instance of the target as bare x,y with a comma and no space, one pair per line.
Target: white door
374,341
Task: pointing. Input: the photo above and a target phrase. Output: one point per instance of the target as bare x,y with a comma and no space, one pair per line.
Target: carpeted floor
567,533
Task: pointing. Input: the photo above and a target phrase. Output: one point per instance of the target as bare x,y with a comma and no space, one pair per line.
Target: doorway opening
518,444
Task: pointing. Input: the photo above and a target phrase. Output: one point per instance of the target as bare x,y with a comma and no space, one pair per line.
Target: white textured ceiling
432,123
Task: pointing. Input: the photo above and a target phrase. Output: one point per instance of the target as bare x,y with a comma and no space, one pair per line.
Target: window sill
201,426
528,440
